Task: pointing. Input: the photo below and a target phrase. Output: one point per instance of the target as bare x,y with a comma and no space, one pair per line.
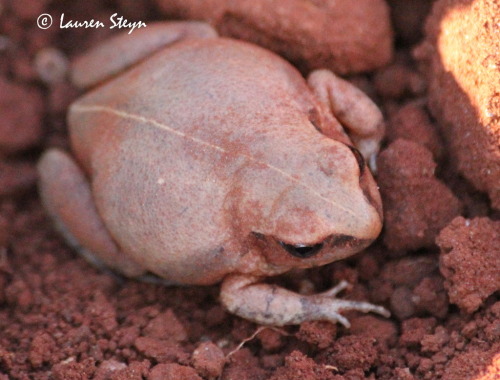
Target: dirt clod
469,260
173,371
460,56
208,360
312,34
421,205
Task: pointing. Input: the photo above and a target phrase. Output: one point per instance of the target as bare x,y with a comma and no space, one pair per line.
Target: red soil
60,318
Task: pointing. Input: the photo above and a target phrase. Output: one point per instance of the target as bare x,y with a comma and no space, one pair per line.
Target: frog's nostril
302,251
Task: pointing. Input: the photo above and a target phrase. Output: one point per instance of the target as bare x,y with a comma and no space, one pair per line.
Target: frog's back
194,85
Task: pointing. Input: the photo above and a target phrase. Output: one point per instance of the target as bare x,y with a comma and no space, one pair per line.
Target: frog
197,159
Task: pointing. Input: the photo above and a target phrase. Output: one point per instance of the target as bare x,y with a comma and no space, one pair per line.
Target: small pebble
51,65
208,360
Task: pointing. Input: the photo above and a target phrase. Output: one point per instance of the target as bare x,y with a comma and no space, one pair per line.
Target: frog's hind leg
67,197
125,50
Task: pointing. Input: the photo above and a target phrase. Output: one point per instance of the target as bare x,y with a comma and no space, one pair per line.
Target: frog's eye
359,158
300,250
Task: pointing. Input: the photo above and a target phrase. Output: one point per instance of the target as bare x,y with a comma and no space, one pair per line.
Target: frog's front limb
124,50
268,304
353,108
67,197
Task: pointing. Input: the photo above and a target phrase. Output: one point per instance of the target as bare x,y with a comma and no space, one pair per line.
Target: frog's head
323,207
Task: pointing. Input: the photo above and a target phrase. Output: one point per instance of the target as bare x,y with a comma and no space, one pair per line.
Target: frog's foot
125,50
269,304
67,197
353,108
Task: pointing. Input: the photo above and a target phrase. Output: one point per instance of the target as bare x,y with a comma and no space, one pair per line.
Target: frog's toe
341,304
331,307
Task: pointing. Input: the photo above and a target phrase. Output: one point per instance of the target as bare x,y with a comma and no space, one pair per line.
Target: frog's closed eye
302,251
359,158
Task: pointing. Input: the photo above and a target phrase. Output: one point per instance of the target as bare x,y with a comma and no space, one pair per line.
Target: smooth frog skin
214,160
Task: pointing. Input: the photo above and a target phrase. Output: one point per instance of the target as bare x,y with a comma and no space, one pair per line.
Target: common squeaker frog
200,159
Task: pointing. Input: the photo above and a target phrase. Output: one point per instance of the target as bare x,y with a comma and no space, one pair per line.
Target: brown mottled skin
198,164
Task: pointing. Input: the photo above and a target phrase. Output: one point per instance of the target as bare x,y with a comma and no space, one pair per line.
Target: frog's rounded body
207,160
